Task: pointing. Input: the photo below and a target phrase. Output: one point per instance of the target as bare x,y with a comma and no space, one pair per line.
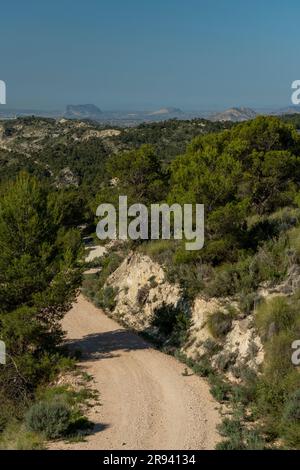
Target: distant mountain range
235,115
244,114
165,111
83,111
133,118
287,110
11,113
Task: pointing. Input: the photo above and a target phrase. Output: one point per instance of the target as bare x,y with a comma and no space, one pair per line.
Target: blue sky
138,54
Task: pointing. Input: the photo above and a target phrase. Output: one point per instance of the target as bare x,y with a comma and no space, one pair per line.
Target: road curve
146,401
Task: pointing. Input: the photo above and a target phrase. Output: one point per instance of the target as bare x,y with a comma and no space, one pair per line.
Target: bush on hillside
219,324
49,418
172,323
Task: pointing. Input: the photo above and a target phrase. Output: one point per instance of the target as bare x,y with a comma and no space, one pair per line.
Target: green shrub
220,389
156,248
93,285
244,394
51,419
8,409
202,367
290,422
280,377
247,302
245,391
276,388
189,276
291,410
211,347
271,261
109,263
232,429
90,285
275,315
183,256
239,437
254,440
173,323
16,437
294,240
225,282
226,360
291,434
231,444
229,427
107,297
219,324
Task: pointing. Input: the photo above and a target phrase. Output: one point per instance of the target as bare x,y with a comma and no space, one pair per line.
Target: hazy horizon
149,109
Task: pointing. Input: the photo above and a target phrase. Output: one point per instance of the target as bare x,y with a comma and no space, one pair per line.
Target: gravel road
146,401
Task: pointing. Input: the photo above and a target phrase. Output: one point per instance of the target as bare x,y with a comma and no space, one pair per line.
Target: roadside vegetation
39,278
248,177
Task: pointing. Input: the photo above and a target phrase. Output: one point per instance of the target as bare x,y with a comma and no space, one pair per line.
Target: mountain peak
82,111
169,110
235,114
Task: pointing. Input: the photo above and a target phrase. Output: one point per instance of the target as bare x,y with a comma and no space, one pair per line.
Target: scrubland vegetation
248,177
39,278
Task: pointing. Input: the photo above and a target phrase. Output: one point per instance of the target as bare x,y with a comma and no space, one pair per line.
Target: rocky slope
62,150
28,135
142,289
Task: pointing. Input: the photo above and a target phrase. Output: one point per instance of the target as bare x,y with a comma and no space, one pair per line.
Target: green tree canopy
138,174
258,160
39,278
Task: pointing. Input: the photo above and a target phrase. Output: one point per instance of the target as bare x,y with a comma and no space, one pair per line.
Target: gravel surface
146,401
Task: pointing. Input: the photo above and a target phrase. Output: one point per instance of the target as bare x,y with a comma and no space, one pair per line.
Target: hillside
229,312
49,147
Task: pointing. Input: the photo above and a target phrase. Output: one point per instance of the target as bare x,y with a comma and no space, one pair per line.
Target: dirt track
146,401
